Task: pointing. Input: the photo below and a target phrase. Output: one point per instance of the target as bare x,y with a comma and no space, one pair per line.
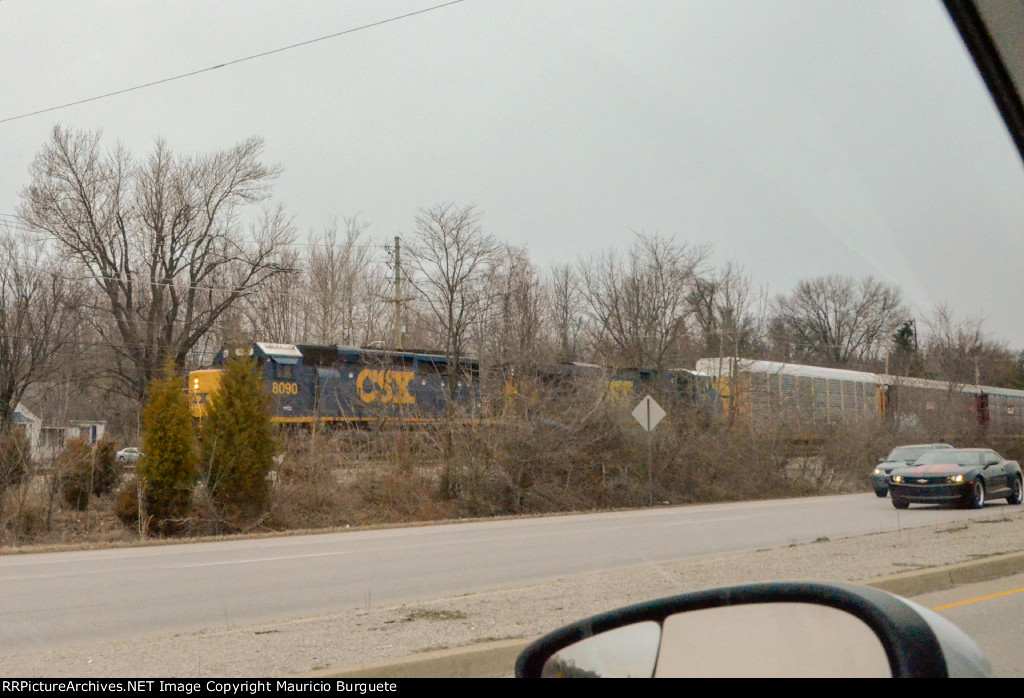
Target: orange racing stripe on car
934,469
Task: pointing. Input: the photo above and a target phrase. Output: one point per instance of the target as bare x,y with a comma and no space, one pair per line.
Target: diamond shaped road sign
648,413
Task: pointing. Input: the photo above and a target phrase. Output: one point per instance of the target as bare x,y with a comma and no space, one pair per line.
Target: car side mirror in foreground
791,629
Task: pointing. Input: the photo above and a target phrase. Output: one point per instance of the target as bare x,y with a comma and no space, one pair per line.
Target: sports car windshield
965,458
907,454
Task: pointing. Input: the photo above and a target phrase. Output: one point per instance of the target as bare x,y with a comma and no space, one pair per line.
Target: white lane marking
700,521
255,559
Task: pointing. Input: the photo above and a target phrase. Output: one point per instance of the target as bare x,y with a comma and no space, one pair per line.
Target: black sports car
967,476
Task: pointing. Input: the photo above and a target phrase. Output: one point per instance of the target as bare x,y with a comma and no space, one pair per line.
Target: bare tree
565,311
638,304
961,351
375,315
512,326
276,311
39,318
836,321
338,283
729,316
451,255
162,239
347,287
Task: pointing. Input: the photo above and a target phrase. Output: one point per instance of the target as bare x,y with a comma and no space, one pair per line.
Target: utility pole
398,293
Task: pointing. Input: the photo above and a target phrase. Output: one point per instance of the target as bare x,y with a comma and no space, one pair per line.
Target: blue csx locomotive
338,384
332,384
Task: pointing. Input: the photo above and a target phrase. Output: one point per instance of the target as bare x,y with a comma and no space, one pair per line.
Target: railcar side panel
763,392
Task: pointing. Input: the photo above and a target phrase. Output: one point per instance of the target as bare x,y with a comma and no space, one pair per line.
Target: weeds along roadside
553,453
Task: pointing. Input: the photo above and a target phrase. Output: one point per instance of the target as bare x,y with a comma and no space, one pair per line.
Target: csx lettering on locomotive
385,386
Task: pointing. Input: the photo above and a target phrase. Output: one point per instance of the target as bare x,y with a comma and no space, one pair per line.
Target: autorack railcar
812,396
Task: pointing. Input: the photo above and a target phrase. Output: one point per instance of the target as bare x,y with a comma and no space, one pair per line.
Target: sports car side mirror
761,630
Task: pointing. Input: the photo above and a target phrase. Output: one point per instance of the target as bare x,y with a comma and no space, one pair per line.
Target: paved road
63,599
990,613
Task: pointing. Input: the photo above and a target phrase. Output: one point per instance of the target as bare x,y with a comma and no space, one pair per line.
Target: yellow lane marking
980,598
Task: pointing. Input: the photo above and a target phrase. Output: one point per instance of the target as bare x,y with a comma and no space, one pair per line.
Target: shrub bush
108,472
238,445
15,459
126,502
168,470
76,471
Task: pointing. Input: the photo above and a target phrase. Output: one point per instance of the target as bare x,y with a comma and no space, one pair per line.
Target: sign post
648,413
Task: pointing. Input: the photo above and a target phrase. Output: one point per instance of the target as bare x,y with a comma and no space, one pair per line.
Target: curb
942,578
485,660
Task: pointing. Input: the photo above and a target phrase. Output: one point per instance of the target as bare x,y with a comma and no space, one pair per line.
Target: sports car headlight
879,471
897,478
955,479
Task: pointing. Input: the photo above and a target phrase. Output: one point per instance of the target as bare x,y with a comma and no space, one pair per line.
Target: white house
47,440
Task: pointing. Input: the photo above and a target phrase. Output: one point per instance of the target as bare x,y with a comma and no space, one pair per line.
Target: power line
228,63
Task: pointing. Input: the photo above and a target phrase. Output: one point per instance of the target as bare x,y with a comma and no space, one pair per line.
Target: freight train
811,397
351,385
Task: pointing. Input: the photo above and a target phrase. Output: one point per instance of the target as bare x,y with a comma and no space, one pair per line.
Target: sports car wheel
900,503
881,493
1017,493
977,496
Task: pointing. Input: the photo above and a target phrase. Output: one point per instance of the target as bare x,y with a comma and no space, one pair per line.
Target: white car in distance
129,456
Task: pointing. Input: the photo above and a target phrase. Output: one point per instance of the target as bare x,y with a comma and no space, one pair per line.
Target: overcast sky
798,138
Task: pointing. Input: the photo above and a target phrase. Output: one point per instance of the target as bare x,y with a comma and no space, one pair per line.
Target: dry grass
582,454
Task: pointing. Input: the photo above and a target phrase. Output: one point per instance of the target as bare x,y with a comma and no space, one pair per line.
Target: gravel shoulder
358,636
